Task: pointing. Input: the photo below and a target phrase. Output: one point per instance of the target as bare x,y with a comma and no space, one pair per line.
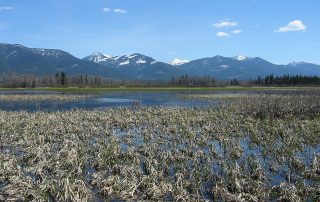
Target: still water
105,100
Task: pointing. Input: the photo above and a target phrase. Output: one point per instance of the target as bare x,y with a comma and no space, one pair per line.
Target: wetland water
120,99
105,100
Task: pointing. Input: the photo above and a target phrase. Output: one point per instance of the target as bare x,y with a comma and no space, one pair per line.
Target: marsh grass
12,98
223,96
301,106
218,153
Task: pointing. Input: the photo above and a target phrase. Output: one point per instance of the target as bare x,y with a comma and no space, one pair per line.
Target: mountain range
21,60
137,66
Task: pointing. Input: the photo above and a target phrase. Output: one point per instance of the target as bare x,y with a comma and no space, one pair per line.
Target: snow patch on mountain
177,61
118,57
108,56
124,63
131,56
140,61
240,58
47,52
99,57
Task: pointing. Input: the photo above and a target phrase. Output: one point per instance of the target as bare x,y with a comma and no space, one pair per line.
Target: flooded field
53,101
163,146
35,100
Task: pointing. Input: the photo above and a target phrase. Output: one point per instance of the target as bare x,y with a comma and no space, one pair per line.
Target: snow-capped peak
107,56
240,57
99,57
177,61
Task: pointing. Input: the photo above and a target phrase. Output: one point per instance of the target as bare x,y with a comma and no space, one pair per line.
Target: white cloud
106,10
226,23
6,8
294,26
119,11
237,31
222,34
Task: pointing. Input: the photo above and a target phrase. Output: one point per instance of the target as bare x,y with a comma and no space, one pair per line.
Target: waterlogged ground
253,148
39,100
53,101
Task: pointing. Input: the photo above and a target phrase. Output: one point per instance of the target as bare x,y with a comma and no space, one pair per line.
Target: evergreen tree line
192,81
287,80
61,79
58,80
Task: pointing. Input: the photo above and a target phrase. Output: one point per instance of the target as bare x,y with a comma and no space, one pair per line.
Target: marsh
254,147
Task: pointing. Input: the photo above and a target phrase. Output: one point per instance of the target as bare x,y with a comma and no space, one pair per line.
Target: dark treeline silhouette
31,81
61,79
193,81
287,80
58,80
235,82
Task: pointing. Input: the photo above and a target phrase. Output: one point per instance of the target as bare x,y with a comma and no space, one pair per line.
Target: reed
228,152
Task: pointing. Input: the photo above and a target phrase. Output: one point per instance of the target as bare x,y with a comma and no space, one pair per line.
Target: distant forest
61,79
287,80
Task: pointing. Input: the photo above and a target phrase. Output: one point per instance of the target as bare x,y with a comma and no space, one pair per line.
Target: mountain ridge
23,60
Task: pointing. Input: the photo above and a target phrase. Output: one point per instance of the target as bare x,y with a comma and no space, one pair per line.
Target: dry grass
222,96
41,97
158,153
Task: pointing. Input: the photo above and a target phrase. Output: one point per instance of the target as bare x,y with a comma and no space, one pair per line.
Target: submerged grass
162,153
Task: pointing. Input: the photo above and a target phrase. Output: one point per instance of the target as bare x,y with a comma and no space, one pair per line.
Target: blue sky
277,30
